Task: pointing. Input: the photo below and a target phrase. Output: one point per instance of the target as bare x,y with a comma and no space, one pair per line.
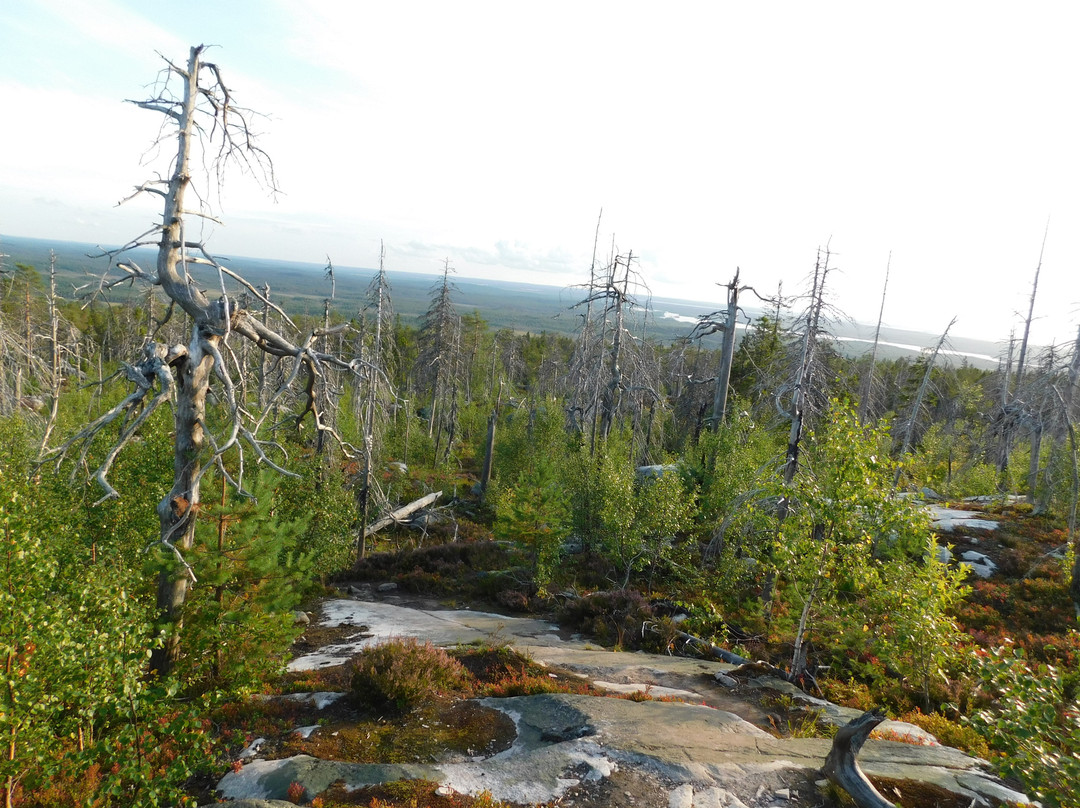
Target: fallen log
745,666
398,516
843,770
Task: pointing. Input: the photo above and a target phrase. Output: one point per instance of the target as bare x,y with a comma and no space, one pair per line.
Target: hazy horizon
714,136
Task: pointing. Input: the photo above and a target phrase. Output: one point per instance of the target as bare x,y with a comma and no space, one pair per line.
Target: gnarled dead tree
209,129
726,322
843,770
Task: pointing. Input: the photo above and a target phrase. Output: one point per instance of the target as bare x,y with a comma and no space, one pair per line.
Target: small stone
782,793
301,618
251,749
444,791
722,678
735,802
389,586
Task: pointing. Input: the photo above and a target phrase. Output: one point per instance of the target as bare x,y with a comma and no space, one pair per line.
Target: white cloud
713,135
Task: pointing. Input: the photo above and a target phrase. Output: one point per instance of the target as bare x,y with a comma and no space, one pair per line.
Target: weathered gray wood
841,767
909,430
402,512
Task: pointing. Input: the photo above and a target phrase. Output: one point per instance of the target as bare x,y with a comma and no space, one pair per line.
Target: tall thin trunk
372,396
29,329
54,350
610,400
1006,429
264,360
804,378
1033,463
727,354
909,430
1031,311
868,385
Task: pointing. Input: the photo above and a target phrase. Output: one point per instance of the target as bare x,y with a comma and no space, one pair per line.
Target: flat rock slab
949,519
381,621
566,739
657,674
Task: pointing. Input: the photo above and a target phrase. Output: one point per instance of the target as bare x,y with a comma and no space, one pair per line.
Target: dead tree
438,363
612,299
725,321
55,379
841,767
208,128
378,389
584,395
1031,311
909,429
617,293
1009,408
801,387
868,384
798,397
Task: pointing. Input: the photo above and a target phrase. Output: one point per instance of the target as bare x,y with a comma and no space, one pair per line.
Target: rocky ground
695,737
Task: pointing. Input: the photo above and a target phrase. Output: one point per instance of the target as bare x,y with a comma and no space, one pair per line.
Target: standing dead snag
209,129
725,321
909,430
867,388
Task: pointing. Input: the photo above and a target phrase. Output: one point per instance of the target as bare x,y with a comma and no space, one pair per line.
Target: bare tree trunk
909,430
727,353
54,349
583,351
868,385
405,510
796,411
489,452
1006,428
1031,311
610,400
29,329
1074,503
178,509
1033,463
264,361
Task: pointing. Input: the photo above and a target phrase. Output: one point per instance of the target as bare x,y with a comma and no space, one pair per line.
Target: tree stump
843,770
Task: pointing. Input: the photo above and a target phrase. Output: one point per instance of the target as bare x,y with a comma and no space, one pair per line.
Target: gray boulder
978,563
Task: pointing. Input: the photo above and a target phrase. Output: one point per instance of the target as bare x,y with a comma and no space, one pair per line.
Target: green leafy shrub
849,693
82,723
402,674
238,620
1031,724
633,523
917,634
321,500
949,732
535,511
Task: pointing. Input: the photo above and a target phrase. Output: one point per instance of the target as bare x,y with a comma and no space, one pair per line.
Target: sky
711,135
